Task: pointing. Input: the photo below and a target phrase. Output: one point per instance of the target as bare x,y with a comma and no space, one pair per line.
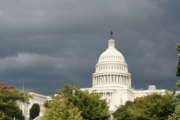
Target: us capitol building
111,80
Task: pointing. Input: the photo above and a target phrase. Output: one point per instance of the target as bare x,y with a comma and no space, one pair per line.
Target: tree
9,96
2,116
61,109
34,111
178,63
90,104
176,114
151,107
122,112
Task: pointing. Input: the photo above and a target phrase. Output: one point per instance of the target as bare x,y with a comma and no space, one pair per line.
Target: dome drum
112,80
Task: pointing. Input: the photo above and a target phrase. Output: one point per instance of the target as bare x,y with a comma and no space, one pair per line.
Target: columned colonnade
111,79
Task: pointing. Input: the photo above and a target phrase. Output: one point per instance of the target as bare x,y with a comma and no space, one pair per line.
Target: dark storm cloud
47,43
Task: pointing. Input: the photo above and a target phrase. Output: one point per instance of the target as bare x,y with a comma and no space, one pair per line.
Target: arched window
34,111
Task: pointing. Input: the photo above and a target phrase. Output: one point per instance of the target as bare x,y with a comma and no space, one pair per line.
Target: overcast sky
47,43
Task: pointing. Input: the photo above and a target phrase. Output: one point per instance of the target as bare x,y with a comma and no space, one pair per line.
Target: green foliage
122,112
151,107
47,104
70,100
61,109
34,111
176,114
178,63
173,116
2,116
92,107
9,96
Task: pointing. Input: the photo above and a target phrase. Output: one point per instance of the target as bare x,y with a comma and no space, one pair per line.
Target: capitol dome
111,69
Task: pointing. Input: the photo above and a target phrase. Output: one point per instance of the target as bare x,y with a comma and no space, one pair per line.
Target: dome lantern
111,42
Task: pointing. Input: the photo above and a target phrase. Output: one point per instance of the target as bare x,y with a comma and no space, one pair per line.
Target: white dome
111,69
111,54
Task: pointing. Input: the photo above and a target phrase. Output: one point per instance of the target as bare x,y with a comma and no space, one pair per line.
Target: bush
151,107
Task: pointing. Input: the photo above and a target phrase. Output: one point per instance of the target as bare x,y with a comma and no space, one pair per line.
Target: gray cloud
47,43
